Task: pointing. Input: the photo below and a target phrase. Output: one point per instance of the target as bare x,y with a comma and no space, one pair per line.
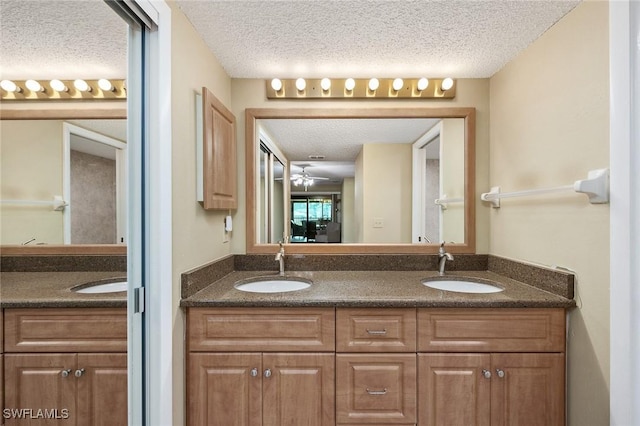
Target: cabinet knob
254,372
500,373
79,373
377,392
486,374
267,373
65,373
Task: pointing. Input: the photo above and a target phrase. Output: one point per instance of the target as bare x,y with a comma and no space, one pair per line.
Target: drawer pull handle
377,332
65,373
377,392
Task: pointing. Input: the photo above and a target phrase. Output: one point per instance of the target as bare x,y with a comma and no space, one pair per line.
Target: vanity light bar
60,90
361,88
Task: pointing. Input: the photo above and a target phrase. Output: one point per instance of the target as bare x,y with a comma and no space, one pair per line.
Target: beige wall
549,127
452,182
387,196
197,234
348,210
251,93
31,169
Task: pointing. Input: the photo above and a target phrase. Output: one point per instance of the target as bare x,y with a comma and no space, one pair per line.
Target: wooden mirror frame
73,113
469,115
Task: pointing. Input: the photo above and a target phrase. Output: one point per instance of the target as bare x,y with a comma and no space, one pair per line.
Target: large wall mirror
360,180
64,182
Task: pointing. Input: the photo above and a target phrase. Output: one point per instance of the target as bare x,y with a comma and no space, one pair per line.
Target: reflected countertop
54,290
375,289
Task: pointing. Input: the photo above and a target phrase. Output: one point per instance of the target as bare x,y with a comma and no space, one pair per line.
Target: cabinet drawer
65,330
376,330
376,388
491,330
266,329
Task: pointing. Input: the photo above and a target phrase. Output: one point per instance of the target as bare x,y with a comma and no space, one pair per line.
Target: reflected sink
461,285
272,284
103,286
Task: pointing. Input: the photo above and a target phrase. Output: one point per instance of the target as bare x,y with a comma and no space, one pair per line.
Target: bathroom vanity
375,347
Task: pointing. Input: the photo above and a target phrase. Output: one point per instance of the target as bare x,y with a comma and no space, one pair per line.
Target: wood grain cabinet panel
376,388
219,156
265,329
453,391
530,391
376,330
65,330
491,330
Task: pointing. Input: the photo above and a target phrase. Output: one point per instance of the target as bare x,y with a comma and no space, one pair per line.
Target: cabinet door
376,388
298,389
102,389
452,389
224,389
38,391
527,389
219,168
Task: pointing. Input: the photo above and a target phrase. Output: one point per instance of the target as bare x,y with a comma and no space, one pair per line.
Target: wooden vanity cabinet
252,367
491,366
70,362
376,366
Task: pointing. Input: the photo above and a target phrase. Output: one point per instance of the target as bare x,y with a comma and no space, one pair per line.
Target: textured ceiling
61,39
363,38
338,140
308,38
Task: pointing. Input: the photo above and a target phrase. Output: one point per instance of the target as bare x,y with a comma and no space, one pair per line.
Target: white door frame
624,48
419,183
69,129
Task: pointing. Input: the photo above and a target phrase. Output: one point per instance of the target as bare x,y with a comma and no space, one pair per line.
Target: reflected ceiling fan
304,179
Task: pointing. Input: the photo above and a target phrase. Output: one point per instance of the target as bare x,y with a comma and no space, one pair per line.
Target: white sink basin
102,287
272,285
461,286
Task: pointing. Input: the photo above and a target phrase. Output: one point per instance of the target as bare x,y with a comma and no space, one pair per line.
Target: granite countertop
53,290
375,289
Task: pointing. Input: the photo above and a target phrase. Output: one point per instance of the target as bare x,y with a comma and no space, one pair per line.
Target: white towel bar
57,203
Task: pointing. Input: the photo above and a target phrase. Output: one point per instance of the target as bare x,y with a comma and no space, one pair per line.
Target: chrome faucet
280,258
443,256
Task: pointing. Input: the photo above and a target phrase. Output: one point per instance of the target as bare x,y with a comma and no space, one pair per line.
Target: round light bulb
374,84
276,84
423,83
82,85
58,86
9,86
398,83
301,84
447,84
105,85
325,84
350,84
34,86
